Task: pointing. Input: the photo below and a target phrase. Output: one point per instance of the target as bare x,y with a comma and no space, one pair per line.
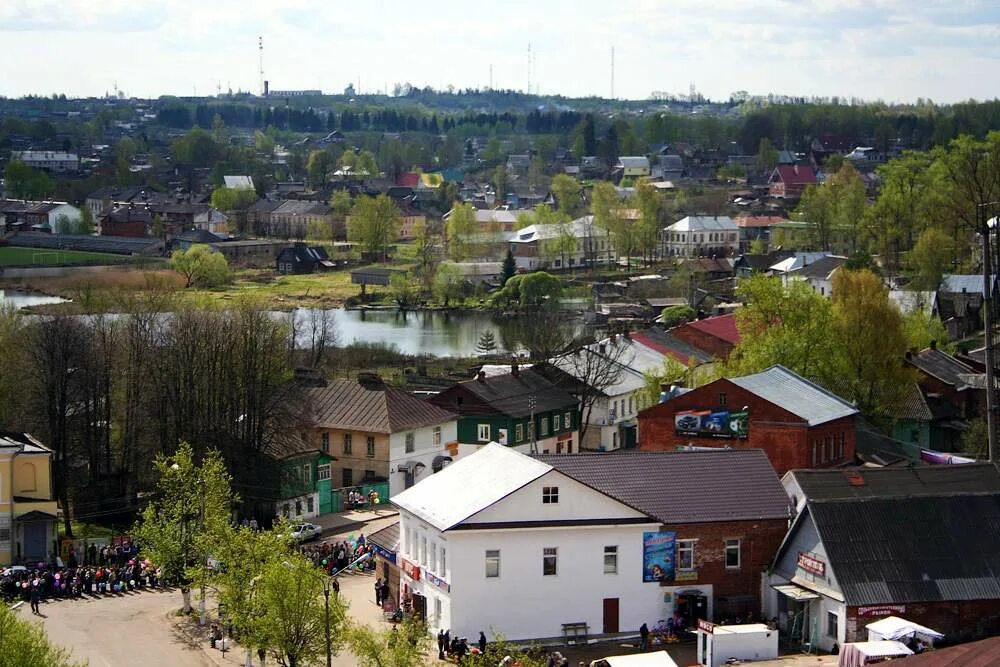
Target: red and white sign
410,569
706,626
811,564
882,610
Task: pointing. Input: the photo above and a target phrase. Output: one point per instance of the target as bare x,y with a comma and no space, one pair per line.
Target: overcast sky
896,50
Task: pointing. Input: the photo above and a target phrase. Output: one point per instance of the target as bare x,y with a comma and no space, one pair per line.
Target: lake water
24,299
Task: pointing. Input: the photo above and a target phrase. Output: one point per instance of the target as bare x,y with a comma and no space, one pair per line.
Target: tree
931,258
920,329
178,527
403,645
508,269
197,148
23,182
604,204
317,166
767,155
487,343
597,368
403,291
423,244
23,643
12,364
566,190
500,182
460,227
647,232
201,266
85,225
673,316
671,372
340,203
448,283
375,223
235,202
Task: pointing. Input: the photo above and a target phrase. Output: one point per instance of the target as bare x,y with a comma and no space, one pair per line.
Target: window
484,433
369,475
348,477
568,419
685,554
423,550
555,423
307,474
831,624
309,504
722,399
326,442
298,508
815,452
323,472
492,563
370,446
631,405
732,554
549,557
544,426
434,557
444,561
611,560
409,443
519,433
437,435
347,443
550,495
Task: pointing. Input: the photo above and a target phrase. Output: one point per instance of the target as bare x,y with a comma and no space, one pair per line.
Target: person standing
482,642
378,592
644,637
440,644
36,597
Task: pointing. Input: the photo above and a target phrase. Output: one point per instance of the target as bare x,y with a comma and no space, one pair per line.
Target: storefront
385,544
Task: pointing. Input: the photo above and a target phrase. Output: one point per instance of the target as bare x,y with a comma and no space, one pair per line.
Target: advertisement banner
709,424
658,556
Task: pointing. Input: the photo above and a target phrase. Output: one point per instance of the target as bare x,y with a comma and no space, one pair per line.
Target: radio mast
260,64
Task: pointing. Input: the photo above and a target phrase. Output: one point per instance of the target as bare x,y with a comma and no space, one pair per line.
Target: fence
340,495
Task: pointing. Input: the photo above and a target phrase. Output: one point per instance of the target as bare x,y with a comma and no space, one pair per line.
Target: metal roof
942,366
683,487
470,485
372,407
703,223
861,483
796,394
955,283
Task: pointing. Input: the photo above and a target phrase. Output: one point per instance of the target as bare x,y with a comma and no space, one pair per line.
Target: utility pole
201,482
531,424
986,232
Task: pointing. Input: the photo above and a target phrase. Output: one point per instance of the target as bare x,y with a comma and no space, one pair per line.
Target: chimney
371,380
309,377
481,376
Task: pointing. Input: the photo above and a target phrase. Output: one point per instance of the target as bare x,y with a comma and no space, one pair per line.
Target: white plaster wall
424,452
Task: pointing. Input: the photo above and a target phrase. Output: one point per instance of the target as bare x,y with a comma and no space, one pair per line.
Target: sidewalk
338,522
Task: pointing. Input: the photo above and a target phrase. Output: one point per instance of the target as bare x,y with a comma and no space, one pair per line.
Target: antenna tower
260,64
491,76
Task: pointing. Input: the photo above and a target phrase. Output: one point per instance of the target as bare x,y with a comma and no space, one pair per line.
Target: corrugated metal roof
469,485
683,487
861,483
942,366
388,537
984,653
796,394
956,283
351,405
908,550
703,223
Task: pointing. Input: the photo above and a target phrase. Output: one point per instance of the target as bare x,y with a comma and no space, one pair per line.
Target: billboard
709,424
658,556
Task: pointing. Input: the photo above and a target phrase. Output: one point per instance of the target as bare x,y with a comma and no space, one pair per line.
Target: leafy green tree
23,182
903,206
235,202
423,243
25,644
604,204
449,284
508,269
836,206
931,258
201,266
318,166
921,328
460,228
976,439
767,155
340,203
374,223
673,316
197,148
404,292
85,226
362,164
671,372
566,190
403,645
178,528
538,288
500,182
647,232
12,366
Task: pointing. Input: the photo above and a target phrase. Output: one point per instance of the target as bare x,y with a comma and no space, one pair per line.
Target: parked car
304,532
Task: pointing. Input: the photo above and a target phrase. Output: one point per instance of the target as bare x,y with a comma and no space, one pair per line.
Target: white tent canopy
656,659
894,627
857,654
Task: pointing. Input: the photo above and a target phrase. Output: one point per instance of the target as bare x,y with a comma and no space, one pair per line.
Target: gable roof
470,485
388,537
822,268
794,174
955,283
683,487
862,483
377,408
698,223
633,162
722,327
667,344
917,549
796,394
942,366
509,394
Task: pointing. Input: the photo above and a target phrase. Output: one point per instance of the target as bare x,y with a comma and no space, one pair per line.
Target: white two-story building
504,543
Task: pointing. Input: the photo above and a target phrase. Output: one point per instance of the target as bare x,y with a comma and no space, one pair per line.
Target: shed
857,654
750,641
655,659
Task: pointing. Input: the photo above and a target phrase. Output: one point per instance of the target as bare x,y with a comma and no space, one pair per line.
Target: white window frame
568,419
493,559
550,554
544,427
734,544
556,423
686,546
436,438
433,567
410,443
323,472
518,432
483,433
611,559
444,561
550,495
307,473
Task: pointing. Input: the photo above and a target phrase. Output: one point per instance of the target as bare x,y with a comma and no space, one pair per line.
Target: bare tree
596,368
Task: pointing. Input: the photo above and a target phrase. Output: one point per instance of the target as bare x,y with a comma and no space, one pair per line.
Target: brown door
610,615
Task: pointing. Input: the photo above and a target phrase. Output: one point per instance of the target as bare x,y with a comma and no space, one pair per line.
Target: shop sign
882,610
383,553
709,424
440,583
412,570
658,556
706,626
563,437
812,564
686,575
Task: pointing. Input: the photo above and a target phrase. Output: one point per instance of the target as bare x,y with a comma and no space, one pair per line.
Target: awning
35,516
857,654
795,592
895,628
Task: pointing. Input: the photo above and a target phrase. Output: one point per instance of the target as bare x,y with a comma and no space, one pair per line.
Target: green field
40,257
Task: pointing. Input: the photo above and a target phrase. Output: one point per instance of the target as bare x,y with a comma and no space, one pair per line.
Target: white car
305,531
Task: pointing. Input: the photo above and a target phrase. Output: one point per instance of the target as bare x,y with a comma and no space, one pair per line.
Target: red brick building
716,336
724,512
797,423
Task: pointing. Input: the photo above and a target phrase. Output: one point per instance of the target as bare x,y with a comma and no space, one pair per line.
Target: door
35,539
610,615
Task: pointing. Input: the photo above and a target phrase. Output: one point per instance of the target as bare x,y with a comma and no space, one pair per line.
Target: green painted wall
468,427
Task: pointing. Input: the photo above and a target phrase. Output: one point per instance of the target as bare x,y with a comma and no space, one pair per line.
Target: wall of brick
715,346
759,542
958,621
783,436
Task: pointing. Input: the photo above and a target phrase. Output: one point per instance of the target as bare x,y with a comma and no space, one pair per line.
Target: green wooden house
520,409
305,487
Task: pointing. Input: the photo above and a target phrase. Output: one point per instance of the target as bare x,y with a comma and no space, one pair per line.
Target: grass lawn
286,291
10,256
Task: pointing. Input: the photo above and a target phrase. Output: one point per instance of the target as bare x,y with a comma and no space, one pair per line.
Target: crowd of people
338,556
52,582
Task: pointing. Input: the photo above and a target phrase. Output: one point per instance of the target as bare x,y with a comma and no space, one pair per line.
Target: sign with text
706,626
412,570
686,575
708,424
437,581
811,564
658,556
882,610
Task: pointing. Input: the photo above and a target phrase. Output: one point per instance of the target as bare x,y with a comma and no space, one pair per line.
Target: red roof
722,327
659,347
409,179
794,174
758,220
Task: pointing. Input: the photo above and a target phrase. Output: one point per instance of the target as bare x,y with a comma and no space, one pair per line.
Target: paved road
139,628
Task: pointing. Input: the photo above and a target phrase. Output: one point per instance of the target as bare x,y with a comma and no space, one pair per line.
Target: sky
893,50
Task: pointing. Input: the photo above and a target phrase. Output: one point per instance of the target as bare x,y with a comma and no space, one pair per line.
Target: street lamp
327,585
